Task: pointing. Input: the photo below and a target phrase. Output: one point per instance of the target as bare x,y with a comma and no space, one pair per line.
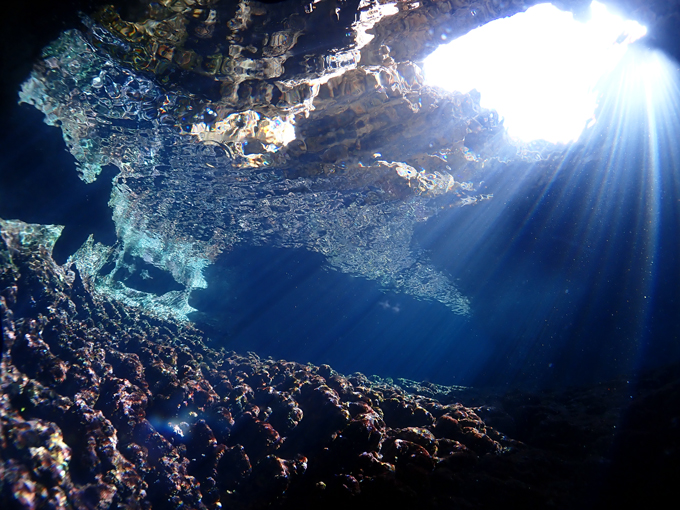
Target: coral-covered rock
400,413
258,438
41,448
418,435
119,415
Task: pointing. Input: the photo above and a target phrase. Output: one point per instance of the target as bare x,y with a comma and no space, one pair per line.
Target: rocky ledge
103,407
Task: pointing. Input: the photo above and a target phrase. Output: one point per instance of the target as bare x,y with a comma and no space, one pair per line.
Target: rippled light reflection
539,69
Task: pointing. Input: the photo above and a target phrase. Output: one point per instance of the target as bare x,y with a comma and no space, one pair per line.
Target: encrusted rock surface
103,407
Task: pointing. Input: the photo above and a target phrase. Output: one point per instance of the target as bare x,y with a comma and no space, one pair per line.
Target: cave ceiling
295,124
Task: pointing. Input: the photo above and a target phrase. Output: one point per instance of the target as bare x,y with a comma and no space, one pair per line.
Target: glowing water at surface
538,69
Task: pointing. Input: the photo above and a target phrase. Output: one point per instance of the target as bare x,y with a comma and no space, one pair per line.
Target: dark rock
134,421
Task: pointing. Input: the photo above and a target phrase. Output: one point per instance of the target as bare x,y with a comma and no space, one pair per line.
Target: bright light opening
539,69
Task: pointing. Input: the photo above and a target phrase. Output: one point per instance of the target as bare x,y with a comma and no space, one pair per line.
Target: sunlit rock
295,125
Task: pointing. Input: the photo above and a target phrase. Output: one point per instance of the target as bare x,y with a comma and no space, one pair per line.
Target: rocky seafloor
104,407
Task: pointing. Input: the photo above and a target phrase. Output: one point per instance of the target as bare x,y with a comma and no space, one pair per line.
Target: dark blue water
552,305
573,273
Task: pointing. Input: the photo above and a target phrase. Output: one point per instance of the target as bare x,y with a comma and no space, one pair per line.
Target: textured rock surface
291,125
104,407
296,125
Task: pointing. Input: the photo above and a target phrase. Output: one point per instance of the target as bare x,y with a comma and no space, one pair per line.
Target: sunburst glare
539,69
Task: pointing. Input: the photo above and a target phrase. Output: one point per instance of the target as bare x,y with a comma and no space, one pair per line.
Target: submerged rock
142,413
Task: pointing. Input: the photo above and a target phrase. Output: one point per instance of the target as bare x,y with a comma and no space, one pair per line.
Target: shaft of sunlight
539,69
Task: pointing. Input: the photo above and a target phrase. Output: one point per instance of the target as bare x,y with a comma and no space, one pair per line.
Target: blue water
573,274
550,307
